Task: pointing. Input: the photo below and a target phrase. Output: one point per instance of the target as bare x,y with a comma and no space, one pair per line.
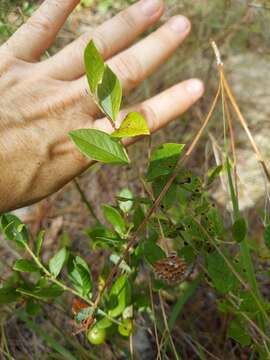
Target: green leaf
115,219
223,278
170,196
214,173
98,145
39,242
239,230
79,273
46,292
14,229
25,266
163,160
248,304
57,262
103,323
153,252
8,295
238,332
133,125
126,202
138,217
94,66
120,292
109,94
266,235
213,223
32,307
104,238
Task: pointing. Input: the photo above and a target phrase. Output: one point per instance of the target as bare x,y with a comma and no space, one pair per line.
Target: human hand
42,101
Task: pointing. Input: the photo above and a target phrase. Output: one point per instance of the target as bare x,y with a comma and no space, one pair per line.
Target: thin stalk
231,267
244,246
63,286
181,162
243,122
85,200
233,147
155,325
167,327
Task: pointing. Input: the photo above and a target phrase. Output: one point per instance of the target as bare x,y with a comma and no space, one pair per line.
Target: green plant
172,229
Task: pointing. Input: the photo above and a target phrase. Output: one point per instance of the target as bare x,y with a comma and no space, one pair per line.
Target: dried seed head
171,269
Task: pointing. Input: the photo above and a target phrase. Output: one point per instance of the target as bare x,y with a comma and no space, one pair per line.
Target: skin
41,101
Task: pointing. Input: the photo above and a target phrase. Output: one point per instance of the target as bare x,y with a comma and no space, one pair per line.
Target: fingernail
195,87
150,7
179,24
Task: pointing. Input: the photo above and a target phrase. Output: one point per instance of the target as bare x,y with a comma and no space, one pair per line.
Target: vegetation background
241,29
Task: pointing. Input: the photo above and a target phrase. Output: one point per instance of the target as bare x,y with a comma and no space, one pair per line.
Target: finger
111,37
36,35
164,107
134,65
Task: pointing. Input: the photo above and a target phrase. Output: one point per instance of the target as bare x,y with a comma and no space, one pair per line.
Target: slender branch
85,200
155,325
167,326
157,202
63,286
233,147
243,122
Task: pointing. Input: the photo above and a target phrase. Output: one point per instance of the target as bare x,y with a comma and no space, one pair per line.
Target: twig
232,138
85,200
157,202
237,110
155,325
167,326
60,284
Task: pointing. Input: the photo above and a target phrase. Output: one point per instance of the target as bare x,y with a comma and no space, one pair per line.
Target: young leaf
222,277
127,202
23,265
266,235
214,173
14,229
57,262
239,230
79,273
46,292
170,196
8,295
153,252
109,94
115,219
94,66
98,145
133,125
32,307
238,332
39,242
163,160
104,238
120,291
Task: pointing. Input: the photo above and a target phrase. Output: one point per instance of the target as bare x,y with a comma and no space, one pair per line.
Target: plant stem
63,286
177,357
85,200
159,199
